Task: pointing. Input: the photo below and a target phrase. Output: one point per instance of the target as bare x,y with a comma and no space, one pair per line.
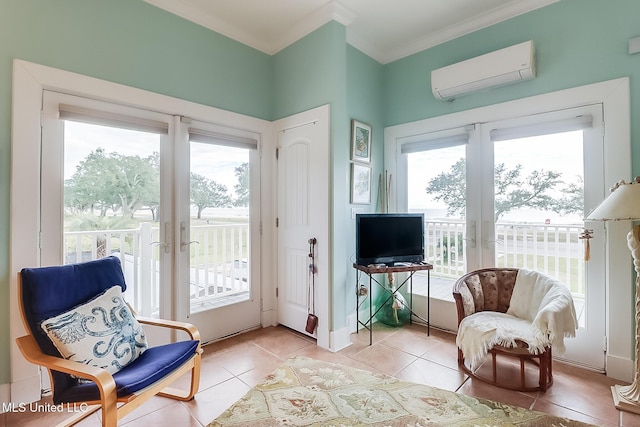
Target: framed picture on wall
360,184
360,142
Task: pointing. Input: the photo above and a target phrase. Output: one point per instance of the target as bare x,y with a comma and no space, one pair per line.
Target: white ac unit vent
511,64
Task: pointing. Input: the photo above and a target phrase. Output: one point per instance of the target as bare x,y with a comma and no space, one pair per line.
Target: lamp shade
623,203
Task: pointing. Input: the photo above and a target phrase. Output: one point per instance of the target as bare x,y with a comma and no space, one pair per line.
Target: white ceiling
386,30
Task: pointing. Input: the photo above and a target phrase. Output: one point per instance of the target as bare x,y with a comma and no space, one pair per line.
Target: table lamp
623,203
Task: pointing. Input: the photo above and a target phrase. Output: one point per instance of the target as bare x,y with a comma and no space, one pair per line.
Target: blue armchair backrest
49,291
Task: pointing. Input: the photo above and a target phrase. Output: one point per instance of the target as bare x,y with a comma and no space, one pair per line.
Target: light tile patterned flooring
232,366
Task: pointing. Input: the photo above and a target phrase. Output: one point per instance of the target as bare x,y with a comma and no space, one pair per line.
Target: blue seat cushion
152,365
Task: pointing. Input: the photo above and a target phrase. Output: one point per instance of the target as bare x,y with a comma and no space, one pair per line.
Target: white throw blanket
541,313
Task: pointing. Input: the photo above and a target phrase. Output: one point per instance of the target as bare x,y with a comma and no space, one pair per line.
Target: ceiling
386,30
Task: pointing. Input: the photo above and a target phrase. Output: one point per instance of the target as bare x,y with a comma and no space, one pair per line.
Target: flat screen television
389,238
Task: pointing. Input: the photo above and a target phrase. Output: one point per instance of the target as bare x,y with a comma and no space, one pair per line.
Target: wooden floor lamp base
627,398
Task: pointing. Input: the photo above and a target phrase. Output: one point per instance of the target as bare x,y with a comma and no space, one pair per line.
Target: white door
303,214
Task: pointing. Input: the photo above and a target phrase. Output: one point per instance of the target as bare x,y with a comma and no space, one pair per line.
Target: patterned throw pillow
101,332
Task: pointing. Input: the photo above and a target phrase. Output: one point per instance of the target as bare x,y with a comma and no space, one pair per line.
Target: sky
559,152
214,162
218,162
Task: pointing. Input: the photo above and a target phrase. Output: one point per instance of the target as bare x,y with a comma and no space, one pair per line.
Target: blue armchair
69,305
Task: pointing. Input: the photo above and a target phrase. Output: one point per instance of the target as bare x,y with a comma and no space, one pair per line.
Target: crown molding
468,26
207,20
332,11
365,46
335,10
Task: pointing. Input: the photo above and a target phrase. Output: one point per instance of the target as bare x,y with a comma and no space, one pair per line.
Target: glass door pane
219,226
111,204
541,184
539,207
436,181
218,258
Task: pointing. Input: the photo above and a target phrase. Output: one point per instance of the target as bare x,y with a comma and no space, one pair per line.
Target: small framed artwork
360,142
360,184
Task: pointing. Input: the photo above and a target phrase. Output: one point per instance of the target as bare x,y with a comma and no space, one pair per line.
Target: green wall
322,69
577,42
309,73
124,41
364,103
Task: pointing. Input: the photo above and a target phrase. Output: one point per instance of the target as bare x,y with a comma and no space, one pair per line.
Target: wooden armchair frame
109,400
542,361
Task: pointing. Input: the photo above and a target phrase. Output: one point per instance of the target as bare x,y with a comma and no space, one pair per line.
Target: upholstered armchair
516,313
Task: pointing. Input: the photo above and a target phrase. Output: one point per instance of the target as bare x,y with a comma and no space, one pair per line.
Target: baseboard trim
18,394
620,368
352,320
5,397
269,318
340,339
352,323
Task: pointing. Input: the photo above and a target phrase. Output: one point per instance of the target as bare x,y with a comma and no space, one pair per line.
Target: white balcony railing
553,249
218,261
219,256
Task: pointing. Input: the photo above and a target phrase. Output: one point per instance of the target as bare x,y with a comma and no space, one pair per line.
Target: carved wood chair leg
543,372
493,362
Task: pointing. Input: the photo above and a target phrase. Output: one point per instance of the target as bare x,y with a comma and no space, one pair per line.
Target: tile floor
232,366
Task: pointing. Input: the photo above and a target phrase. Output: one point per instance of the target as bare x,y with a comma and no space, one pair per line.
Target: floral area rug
308,392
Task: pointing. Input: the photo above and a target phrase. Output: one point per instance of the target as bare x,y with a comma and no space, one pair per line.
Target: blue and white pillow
102,332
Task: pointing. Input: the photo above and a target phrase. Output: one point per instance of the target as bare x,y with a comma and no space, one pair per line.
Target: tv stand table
371,270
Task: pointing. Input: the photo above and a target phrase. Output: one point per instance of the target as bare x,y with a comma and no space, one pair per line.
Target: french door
218,232
513,193
175,199
554,162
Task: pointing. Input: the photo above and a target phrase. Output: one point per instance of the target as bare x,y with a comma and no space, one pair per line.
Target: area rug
308,392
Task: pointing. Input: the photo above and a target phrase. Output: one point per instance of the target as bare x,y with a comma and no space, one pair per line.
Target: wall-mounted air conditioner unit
511,64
